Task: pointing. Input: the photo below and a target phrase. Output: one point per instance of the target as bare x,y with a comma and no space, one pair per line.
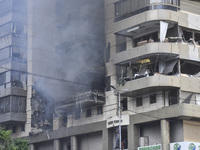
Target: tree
21,144
7,143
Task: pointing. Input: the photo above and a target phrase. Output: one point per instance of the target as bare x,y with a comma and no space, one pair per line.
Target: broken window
99,110
88,112
173,97
169,67
19,30
138,101
120,43
124,104
18,79
190,67
191,36
197,38
108,88
142,40
152,98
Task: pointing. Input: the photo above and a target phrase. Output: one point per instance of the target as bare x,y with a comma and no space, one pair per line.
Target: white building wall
92,141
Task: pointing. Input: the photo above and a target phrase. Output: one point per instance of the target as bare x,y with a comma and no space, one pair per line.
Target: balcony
12,109
184,50
149,85
160,82
127,8
82,100
181,111
12,118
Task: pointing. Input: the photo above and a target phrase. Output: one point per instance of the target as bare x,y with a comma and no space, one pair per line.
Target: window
99,110
124,104
22,127
14,129
152,98
120,43
138,101
117,8
173,97
88,113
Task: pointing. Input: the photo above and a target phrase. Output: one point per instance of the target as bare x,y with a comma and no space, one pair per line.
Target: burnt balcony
82,100
12,109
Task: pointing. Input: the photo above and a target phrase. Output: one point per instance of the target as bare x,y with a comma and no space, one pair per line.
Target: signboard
185,146
151,147
114,121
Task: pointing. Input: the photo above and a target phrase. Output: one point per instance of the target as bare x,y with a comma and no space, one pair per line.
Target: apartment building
47,57
152,61
13,64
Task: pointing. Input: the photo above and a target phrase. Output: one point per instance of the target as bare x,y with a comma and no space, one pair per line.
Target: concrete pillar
107,140
165,134
56,144
74,143
32,147
133,136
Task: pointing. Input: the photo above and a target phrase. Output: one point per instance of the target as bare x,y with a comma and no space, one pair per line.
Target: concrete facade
58,58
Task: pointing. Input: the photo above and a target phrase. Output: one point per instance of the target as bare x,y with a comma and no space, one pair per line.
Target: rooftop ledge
185,51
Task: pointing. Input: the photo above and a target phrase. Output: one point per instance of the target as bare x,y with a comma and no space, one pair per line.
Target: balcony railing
86,99
127,8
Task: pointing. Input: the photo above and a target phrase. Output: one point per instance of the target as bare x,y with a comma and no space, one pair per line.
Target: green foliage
21,144
7,143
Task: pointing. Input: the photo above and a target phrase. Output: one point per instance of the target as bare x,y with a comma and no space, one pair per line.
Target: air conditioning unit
144,141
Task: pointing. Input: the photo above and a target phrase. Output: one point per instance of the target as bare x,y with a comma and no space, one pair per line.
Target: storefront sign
152,147
114,121
185,146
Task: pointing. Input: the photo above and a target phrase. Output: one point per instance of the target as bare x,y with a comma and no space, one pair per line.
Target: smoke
65,51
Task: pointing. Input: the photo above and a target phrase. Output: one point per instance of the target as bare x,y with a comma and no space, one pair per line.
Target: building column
32,147
56,144
74,143
165,134
133,136
107,139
